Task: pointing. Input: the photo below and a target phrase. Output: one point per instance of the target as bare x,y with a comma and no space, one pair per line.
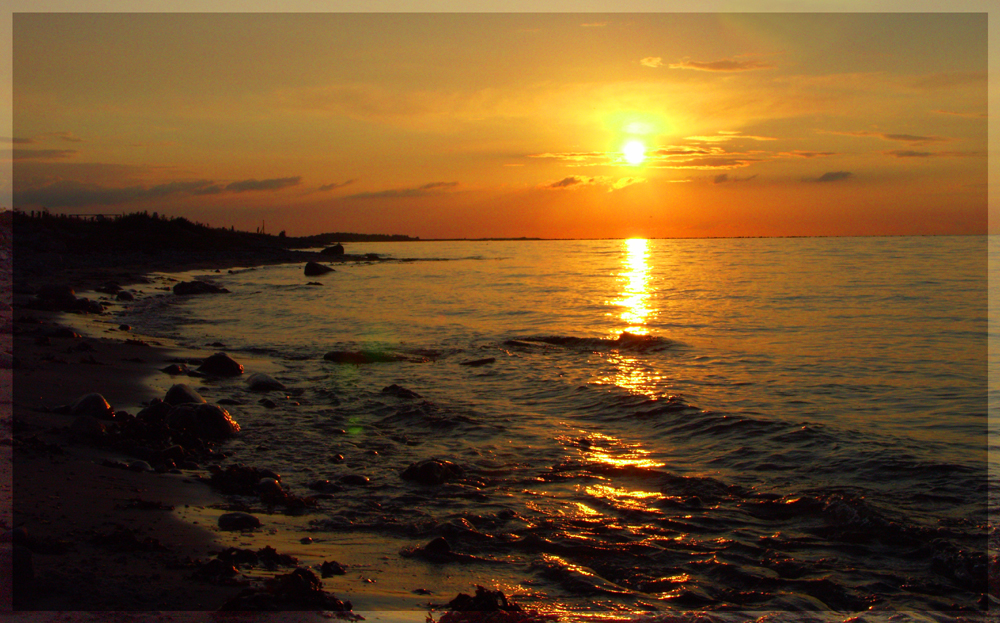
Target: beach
95,531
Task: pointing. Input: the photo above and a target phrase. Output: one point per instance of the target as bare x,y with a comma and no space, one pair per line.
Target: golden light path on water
635,312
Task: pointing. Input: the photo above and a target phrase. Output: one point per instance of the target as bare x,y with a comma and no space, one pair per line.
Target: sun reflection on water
635,292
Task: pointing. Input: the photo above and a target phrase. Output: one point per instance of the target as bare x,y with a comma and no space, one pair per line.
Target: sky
538,124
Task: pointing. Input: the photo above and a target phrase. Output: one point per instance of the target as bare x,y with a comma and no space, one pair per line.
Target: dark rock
217,571
337,249
371,256
175,369
314,269
268,403
355,479
110,287
400,392
88,428
331,568
182,394
484,601
124,327
125,296
478,362
260,382
204,421
238,521
432,472
221,364
93,405
295,591
187,288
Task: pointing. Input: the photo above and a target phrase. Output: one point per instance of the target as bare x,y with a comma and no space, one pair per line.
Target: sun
634,152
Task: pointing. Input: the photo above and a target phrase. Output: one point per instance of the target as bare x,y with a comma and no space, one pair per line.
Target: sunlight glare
634,152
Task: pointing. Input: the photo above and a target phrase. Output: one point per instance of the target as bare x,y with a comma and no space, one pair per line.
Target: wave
626,341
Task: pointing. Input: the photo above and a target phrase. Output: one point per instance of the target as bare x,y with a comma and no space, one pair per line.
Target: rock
267,403
221,364
484,601
355,479
337,249
204,421
63,296
93,405
400,392
124,327
314,269
269,486
432,472
478,362
188,288
260,382
296,591
182,393
331,568
238,521
88,428
110,287
125,296
175,369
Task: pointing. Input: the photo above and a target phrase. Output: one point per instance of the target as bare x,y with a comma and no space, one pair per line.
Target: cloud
335,185
902,153
42,154
806,154
834,176
652,61
721,65
971,115
257,185
66,136
904,138
398,193
725,178
626,181
907,153
566,182
64,193
67,194
729,136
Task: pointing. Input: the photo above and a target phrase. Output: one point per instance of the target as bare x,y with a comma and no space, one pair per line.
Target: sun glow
634,152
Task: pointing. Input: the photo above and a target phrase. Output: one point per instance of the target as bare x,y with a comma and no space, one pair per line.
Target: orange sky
477,125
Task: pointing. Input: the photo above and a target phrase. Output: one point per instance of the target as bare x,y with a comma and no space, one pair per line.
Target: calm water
790,423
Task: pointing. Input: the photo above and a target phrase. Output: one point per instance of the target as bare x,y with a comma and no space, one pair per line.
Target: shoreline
57,473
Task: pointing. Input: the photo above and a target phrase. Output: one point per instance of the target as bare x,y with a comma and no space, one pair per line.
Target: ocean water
722,424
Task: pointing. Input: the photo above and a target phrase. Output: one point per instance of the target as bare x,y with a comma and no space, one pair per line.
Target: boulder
88,428
182,393
204,421
260,382
125,296
238,521
221,364
314,269
187,288
432,472
337,249
93,405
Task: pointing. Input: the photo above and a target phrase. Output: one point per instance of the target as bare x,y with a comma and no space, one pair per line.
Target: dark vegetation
77,251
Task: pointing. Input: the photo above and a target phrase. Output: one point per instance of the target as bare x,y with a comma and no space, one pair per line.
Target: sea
662,425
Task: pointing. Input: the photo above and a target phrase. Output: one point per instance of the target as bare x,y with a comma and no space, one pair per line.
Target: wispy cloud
970,115
914,139
652,61
729,136
258,185
720,65
399,193
806,154
580,181
725,178
909,153
69,193
834,176
335,185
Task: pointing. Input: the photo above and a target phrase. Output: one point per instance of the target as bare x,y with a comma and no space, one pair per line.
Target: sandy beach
91,530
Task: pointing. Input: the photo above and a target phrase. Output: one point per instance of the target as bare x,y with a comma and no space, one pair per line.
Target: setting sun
634,152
